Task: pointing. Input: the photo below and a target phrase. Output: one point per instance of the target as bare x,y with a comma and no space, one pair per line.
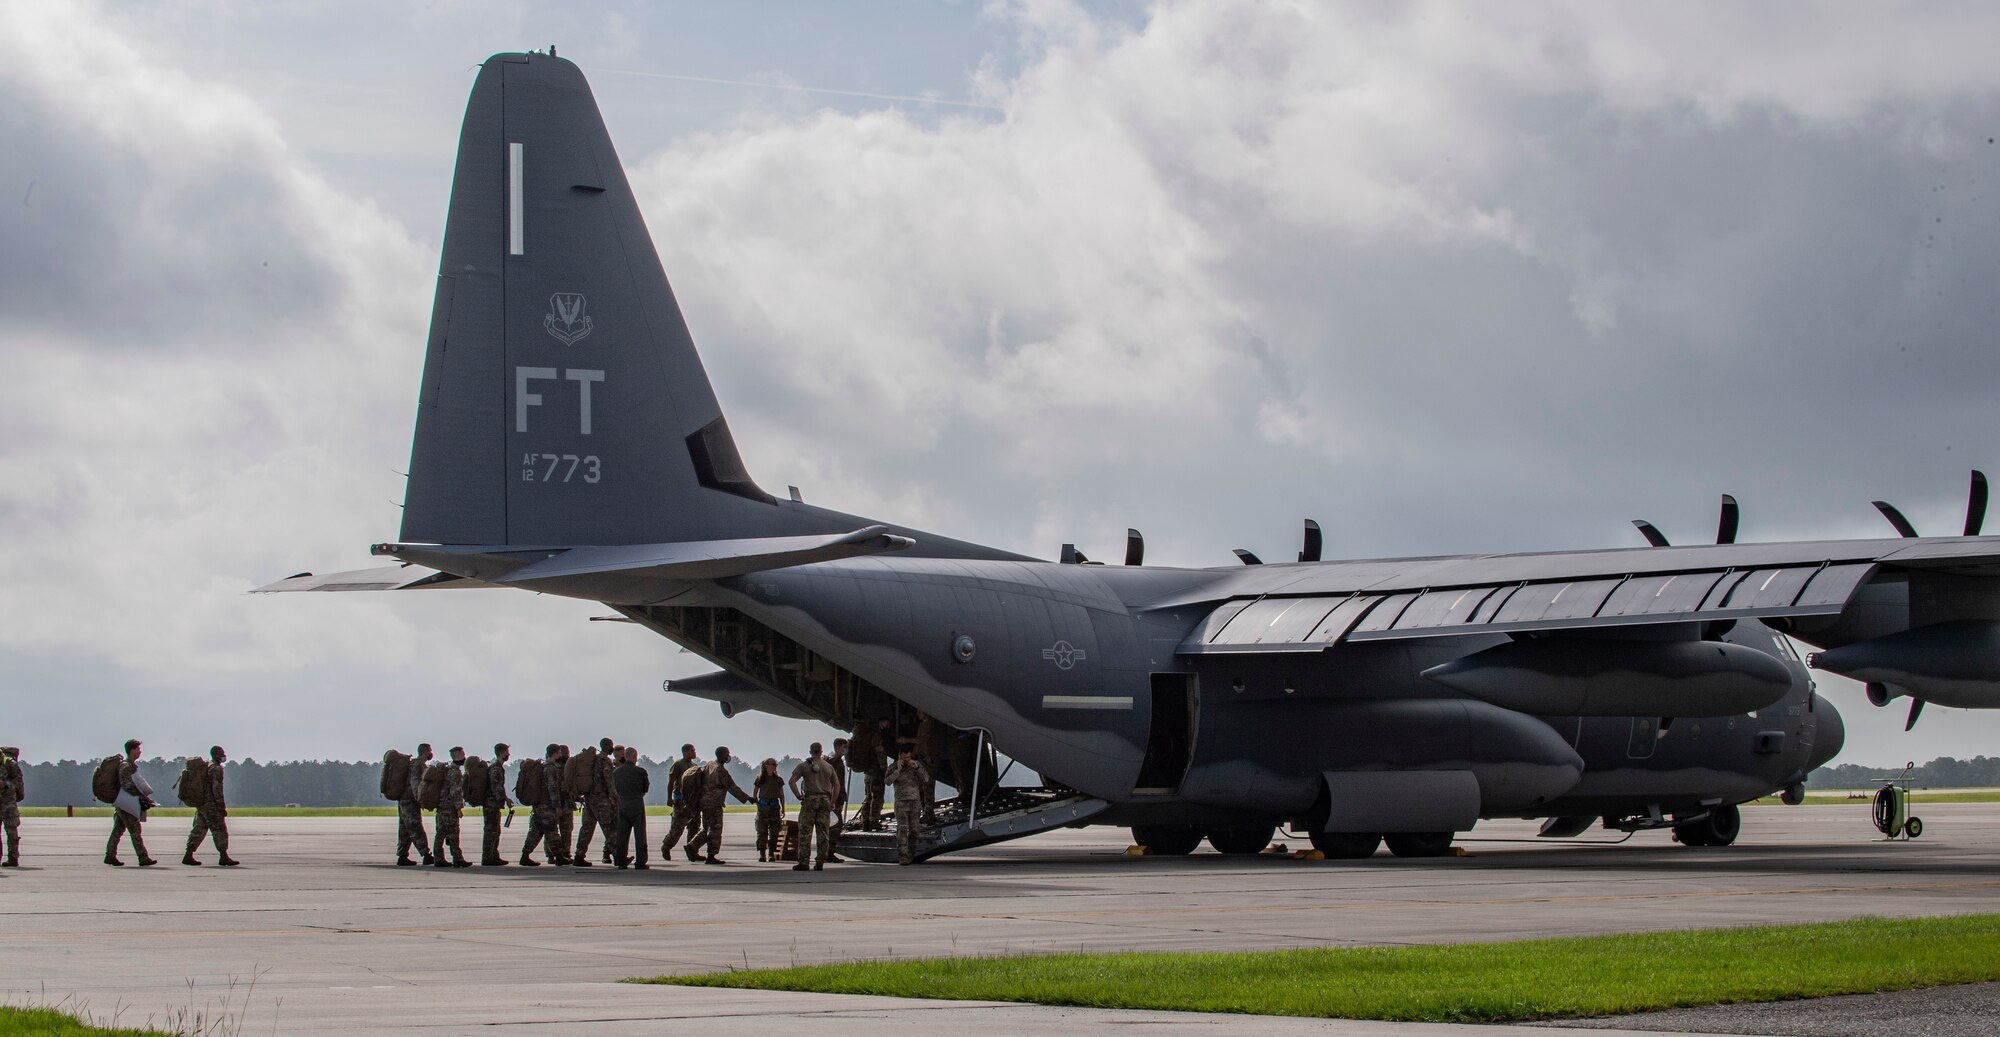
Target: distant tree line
306,783
1942,773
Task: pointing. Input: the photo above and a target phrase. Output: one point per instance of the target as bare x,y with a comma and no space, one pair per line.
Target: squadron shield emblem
566,321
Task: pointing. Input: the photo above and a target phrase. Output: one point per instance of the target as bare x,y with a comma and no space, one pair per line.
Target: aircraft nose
1829,734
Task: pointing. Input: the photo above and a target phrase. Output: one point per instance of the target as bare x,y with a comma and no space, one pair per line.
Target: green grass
44,1022
1471,983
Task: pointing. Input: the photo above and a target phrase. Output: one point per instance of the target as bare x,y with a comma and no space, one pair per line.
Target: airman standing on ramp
909,778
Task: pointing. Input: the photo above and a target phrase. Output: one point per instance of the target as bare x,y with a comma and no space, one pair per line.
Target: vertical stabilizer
563,402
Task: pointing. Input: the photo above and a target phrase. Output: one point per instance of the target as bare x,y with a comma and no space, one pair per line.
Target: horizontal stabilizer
708,559
736,695
385,578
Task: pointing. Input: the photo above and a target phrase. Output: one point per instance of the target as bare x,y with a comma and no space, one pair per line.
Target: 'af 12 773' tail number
560,467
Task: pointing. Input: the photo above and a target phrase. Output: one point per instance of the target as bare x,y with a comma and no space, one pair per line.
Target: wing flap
385,578
1275,624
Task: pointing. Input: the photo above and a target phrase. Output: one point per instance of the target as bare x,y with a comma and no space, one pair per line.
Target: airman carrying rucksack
431,790
475,781
692,783
192,785
395,775
104,780
528,783
580,773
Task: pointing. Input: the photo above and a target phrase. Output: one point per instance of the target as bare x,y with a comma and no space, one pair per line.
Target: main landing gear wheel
1240,842
1345,846
1419,844
1166,840
1719,828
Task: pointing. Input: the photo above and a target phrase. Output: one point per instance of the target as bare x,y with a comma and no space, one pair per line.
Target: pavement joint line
1058,916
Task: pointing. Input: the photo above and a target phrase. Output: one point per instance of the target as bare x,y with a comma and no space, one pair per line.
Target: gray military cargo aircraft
568,442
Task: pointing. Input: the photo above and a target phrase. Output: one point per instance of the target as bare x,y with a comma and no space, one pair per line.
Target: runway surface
339,940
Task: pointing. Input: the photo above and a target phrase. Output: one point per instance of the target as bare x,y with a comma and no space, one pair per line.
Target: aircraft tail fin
563,401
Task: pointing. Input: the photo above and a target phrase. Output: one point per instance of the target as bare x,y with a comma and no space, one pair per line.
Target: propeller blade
1135,548
1247,558
1975,504
1651,533
1916,710
1725,530
1896,519
1312,545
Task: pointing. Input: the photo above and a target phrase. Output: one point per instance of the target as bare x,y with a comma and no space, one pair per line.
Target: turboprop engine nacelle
1952,664
1593,678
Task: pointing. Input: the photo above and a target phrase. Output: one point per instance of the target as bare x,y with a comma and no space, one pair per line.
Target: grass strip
46,1022
1457,983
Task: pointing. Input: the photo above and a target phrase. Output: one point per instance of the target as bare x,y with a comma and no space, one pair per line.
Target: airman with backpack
563,801
449,801
117,782
531,784
200,787
716,785
402,781
589,778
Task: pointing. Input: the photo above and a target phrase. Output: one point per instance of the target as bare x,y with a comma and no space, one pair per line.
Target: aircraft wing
384,578
1308,607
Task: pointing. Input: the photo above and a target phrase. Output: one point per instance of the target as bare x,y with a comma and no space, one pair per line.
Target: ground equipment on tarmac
1892,808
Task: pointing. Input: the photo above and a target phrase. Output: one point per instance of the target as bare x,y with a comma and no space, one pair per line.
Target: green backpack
193,782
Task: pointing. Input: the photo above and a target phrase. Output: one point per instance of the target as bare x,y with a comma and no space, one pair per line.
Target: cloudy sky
1446,277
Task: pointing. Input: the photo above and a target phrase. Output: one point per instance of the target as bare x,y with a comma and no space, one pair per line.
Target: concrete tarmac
337,939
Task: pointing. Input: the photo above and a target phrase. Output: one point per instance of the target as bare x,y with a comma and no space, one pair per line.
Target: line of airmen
613,805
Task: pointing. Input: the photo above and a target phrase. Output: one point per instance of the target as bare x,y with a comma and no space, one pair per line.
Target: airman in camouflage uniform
565,806
13,789
687,816
542,827
717,785
812,782
496,802
557,793
869,754
769,788
210,818
600,804
410,813
451,804
909,778
122,822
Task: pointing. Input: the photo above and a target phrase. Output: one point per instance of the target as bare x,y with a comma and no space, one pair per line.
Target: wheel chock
1276,850
1458,851
1138,851
1308,855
